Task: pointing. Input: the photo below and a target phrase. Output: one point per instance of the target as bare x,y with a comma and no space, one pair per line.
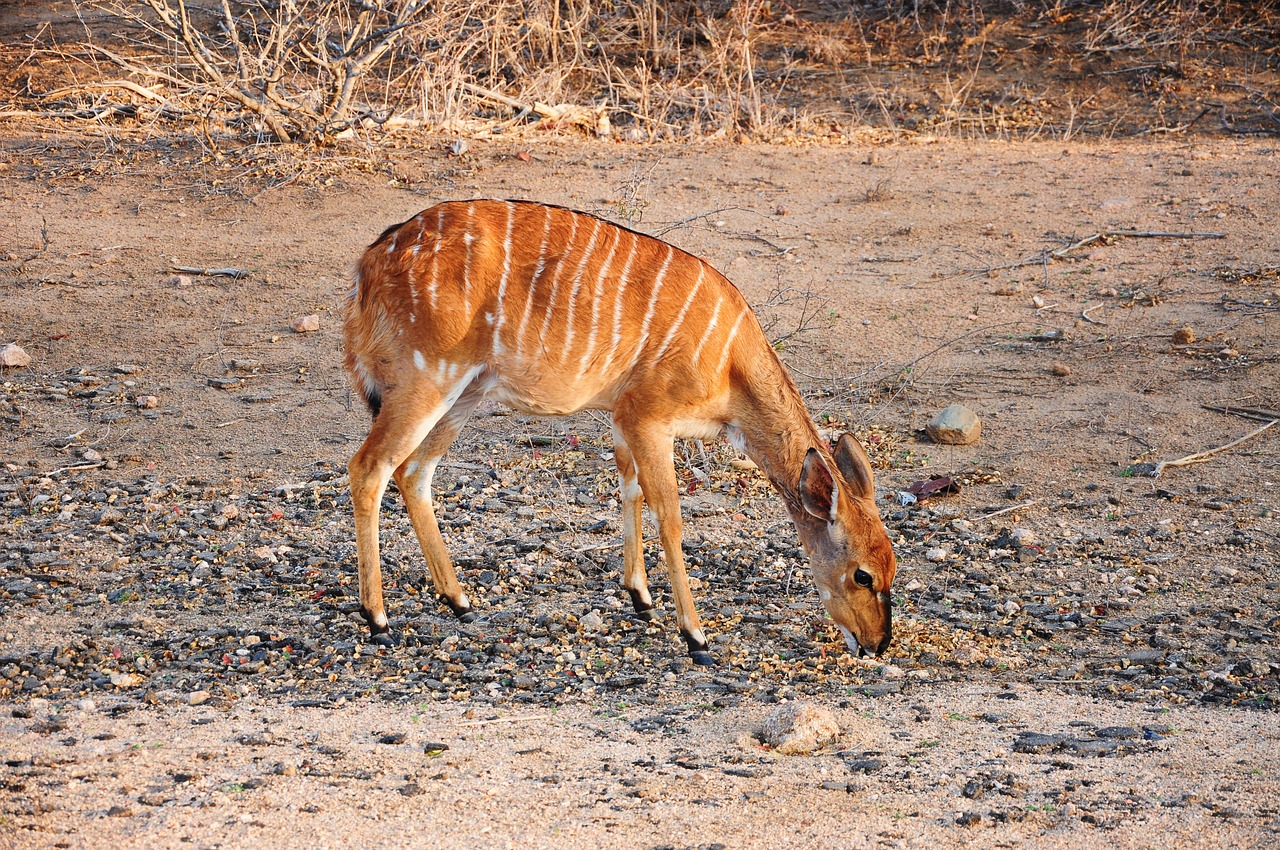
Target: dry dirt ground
179,666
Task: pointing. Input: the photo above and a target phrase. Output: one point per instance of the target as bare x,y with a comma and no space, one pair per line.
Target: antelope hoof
386,639
698,652
375,628
643,606
462,612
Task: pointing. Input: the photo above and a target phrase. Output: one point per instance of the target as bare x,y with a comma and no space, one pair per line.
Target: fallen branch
109,85
1230,304
1244,412
1045,256
232,273
1084,314
1010,509
1198,457
527,718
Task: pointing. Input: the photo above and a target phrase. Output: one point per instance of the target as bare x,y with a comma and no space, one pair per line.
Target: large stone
796,728
955,426
13,356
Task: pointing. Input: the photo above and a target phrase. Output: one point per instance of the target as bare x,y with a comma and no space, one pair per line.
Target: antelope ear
819,492
855,466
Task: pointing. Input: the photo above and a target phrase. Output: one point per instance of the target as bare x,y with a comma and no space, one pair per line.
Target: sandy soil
886,239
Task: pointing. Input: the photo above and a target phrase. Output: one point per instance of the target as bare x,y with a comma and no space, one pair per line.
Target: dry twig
1045,256
1155,469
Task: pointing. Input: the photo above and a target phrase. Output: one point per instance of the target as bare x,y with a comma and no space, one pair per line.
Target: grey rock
956,425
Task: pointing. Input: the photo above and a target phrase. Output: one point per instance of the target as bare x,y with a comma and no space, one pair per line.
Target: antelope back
560,309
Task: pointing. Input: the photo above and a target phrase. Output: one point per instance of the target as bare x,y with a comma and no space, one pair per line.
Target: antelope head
848,547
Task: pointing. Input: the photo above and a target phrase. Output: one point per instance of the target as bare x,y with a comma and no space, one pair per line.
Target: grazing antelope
553,311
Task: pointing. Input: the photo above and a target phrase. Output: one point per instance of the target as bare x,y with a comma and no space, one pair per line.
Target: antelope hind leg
413,477
393,437
634,577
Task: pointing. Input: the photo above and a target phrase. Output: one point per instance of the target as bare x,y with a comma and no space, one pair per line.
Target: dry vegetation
313,70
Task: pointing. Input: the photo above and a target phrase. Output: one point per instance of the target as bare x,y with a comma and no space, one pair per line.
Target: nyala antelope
552,311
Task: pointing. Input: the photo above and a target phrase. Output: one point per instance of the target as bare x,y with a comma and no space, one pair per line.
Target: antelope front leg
657,476
634,577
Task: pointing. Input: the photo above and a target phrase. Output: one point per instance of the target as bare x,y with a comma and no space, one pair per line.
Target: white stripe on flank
617,306
577,285
468,237
533,281
413,290
688,302
435,259
653,305
595,302
419,360
555,279
502,284
728,342
706,335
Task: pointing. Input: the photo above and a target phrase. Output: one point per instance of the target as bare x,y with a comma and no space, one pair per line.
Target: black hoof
465,615
374,628
644,610
385,639
698,651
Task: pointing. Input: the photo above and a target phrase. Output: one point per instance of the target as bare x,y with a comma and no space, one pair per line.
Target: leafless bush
310,69
300,67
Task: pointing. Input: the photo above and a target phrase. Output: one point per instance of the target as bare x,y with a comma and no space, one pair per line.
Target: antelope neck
777,432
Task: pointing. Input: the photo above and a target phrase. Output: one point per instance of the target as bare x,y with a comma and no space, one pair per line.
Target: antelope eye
863,578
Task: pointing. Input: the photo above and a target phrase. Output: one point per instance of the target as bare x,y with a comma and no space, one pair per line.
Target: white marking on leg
706,335
577,286
420,479
597,298
533,282
502,283
380,619
419,360
688,302
653,305
698,637
728,343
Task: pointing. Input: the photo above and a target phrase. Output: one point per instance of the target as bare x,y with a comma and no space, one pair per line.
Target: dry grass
315,70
